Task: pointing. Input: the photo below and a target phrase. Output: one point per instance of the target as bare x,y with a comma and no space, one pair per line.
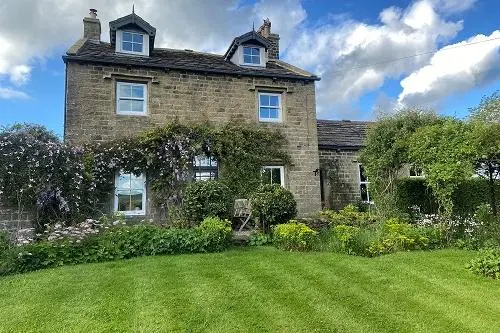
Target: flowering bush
60,182
118,242
293,236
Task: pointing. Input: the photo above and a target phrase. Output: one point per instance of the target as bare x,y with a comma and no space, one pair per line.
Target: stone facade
191,97
340,183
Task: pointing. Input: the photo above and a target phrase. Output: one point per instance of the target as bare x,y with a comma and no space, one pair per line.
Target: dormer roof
132,21
251,37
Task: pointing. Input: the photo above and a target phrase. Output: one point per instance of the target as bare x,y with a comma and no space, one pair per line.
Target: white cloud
30,31
453,69
9,93
352,57
454,6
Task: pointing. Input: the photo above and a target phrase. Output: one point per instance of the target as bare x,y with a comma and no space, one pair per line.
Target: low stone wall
12,221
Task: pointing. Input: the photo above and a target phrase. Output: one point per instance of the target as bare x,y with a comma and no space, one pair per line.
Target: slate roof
341,134
104,53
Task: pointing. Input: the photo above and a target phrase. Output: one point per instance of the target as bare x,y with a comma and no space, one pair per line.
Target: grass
256,290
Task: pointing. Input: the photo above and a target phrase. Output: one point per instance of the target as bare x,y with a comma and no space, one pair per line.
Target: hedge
468,196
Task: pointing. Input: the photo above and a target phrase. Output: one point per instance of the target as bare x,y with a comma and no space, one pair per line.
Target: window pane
362,174
364,192
255,60
273,113
136,182
137,106
255,51
126,46
137,47
136,200
124,105
201,161
274,100
125,90
126,36
276,176
247,51
123,181
247,59
123,200
266,176
264,100
137,38
138,91
264,113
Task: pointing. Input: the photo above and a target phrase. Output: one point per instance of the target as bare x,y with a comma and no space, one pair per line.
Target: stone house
128,85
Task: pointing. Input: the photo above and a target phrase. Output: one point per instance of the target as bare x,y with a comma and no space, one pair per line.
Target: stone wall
189,97
11,220
340,177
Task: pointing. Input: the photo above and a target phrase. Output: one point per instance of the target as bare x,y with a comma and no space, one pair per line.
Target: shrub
294,236
398,236
4,242
119,242
350,216
487,263
259,239
207,198
216,234
273,204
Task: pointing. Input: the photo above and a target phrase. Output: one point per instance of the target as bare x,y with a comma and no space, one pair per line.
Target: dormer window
132,42
251,55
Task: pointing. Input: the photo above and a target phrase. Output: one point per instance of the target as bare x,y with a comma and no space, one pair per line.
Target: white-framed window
273,174
131,98
205,168
130,194
416,172
132,42
363,184
251,55
270,107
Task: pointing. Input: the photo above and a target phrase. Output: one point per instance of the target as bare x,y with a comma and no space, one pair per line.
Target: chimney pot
93,13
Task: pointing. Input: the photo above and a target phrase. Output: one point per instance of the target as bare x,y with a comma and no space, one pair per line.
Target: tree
446,154
485,122
488,109
386,152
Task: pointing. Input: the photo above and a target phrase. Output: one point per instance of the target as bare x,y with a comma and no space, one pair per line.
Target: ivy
71,180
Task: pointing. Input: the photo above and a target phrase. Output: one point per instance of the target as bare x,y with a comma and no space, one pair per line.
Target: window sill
135,114
271,121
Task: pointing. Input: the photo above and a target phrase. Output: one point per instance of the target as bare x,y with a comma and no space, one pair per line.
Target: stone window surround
282,172
145,43
134,79
144,193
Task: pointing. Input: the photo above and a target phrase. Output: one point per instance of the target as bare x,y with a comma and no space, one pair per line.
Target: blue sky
350,44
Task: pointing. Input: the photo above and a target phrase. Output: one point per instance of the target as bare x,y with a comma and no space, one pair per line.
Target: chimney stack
92,26
265,31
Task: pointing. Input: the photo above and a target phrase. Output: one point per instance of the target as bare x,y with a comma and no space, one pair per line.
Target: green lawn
256,290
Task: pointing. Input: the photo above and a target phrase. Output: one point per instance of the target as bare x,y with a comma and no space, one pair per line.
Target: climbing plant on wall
42,169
